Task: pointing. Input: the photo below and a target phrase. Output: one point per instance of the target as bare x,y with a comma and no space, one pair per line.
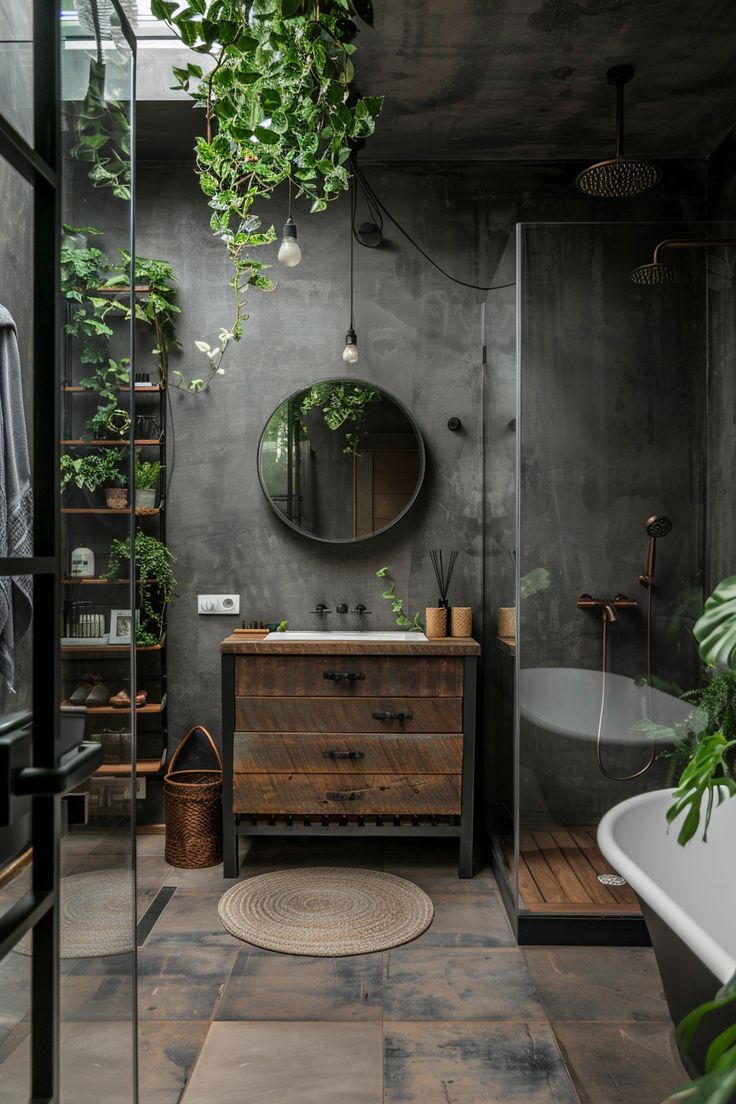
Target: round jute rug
326,911
97,915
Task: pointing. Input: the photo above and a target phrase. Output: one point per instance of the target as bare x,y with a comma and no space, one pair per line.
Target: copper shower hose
604,665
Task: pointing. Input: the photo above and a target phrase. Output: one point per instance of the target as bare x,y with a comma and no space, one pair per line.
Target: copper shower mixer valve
607,605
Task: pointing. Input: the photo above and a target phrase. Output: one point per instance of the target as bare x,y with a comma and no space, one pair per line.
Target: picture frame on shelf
121,622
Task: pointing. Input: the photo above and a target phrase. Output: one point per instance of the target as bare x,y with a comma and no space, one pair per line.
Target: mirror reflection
341,460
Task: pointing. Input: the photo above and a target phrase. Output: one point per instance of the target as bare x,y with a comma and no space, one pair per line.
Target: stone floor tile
451,983
474,1063
623,1062
168,1051
298,1063
268,986
598,983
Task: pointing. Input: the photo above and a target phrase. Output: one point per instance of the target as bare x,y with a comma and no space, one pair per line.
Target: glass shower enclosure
597,388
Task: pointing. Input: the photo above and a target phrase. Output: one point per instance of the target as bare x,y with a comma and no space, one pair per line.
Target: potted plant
147,473
706,781
98,469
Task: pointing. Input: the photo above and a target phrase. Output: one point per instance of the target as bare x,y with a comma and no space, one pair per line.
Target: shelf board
140,389
108,649
121,442
141,511
117,289
111,710
103,582
143,768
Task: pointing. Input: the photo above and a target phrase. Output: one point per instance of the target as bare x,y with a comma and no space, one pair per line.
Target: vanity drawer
363,753
275,714
305,675
349,794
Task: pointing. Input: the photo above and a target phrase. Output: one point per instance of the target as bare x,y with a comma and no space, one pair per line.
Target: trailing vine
403,620
155,577
279,104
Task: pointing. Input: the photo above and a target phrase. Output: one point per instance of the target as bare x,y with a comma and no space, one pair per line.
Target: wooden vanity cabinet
348,738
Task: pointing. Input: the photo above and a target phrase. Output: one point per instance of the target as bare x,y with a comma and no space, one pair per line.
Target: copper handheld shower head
656,527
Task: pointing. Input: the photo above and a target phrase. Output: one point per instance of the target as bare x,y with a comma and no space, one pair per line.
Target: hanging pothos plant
279,104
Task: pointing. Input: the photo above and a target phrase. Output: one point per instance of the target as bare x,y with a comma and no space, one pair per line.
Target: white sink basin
328,636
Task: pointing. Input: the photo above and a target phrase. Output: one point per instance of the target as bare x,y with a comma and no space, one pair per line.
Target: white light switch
218,603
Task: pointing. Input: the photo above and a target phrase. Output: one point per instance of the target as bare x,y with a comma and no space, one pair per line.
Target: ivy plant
278,104
403,619
155,577
101,128
343,402
90,472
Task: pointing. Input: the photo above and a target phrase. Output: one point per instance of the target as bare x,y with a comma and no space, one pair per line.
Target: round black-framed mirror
341,460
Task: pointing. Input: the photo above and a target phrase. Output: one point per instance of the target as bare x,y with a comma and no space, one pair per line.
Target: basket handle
190,733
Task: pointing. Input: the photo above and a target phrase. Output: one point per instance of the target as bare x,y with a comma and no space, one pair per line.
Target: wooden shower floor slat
558,872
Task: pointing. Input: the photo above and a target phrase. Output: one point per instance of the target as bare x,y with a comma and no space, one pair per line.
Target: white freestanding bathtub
559,709
688,898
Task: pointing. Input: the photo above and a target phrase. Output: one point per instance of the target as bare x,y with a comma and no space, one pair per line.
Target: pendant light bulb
350,352
289,253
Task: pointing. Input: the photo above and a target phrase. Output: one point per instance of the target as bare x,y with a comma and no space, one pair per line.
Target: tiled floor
460,1016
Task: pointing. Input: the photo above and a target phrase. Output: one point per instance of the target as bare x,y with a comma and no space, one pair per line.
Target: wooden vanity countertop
443,646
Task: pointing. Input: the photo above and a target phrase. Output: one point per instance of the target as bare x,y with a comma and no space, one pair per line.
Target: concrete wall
721,531
420,339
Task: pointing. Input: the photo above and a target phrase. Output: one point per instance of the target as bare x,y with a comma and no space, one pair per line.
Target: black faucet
321,609
361,610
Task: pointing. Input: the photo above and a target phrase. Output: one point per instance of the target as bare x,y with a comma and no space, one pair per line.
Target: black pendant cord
353,208
97,31
619,119
374,202
289,218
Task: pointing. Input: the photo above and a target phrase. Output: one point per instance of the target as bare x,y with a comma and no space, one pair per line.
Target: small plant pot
116,498
145,499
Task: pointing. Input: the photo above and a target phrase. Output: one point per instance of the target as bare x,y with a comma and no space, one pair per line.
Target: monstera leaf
715,631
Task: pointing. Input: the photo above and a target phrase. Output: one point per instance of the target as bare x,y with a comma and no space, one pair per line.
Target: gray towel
16,499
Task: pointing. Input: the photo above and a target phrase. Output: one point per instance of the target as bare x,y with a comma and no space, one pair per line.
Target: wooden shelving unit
89,527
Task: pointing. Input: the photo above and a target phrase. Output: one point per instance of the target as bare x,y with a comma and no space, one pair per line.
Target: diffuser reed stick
443,572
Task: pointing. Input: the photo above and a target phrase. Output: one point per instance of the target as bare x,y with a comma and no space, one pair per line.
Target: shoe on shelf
121,700
80,695
99,695
141,698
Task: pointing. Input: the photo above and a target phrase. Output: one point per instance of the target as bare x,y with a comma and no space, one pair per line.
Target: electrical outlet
218,603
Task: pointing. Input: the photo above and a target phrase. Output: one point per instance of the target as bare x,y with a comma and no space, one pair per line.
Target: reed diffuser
437,616
443,572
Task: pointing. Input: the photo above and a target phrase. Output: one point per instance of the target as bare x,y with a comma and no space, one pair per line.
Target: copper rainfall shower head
619,176
660,272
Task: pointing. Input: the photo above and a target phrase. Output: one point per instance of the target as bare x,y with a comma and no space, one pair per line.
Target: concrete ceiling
518,79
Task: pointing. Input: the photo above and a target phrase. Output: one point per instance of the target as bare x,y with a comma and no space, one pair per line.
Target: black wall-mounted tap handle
361,610
321,609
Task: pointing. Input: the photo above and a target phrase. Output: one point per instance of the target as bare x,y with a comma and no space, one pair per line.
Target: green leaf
715,631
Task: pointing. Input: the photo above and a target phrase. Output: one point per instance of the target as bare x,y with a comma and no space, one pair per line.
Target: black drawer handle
385,716
344,676
344,795
343,754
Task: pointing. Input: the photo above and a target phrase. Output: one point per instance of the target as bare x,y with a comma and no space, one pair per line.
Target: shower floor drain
611,879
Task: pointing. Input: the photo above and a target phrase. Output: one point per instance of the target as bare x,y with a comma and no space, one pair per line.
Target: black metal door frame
45,781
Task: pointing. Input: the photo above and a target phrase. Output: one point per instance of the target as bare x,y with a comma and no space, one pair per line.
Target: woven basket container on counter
193,811
436,622
507,622
461,621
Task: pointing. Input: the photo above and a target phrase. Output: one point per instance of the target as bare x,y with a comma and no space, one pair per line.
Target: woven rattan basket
193,811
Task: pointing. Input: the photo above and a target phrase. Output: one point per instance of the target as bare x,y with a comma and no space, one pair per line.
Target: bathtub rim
718,960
